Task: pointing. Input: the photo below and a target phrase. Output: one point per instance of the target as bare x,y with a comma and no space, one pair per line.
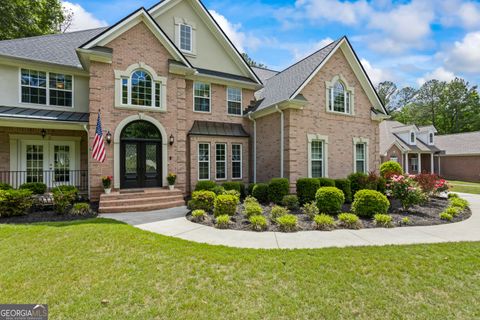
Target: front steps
140,200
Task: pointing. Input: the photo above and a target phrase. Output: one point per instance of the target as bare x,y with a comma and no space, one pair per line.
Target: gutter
282,147
254,147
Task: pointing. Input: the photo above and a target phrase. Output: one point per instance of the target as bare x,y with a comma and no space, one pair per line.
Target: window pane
234,101
317,158
60,98
221,164
34,85
317,168
338,97
141,83
185,37
360,151
201,97
60,81
317,150
360,166
34,163
157,94
125,91
203,161
236,161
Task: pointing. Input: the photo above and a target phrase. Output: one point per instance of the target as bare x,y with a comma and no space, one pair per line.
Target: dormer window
339,96
186,37
412,137
430,138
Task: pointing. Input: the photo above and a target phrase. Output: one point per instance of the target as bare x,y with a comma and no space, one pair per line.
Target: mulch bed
420,215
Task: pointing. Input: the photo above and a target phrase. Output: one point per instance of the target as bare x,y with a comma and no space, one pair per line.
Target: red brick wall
464,168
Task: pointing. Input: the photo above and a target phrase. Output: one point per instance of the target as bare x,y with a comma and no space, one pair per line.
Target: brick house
175,95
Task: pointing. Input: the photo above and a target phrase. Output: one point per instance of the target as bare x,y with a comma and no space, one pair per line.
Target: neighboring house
176,96
415,148
461,159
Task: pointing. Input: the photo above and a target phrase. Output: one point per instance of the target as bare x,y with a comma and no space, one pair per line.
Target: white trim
193,39
364,141
116,146
198,160
431,142
209,97
254,148
347,89
225,162
240,161
324,139
282,140
241,102
414,142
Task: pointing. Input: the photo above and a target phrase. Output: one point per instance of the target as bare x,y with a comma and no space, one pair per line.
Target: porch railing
52,178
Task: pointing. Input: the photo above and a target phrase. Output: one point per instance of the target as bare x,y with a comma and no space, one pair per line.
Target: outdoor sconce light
44,133
108,137
172,139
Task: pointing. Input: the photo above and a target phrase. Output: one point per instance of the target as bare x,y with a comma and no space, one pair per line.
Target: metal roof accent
210,128
42,114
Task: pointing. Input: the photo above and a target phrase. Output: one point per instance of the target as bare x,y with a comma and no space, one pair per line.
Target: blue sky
407,42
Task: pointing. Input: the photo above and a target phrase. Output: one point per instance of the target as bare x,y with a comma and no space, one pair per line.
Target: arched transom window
339,96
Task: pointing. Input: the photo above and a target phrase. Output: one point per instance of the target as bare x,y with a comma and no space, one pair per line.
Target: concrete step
134,207
107,202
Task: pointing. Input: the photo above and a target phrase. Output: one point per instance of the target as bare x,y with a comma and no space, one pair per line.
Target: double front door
140,164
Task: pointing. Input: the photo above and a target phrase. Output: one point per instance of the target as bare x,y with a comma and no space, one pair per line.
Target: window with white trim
47,88
141,90
221,161
236,161
339,96
234,101
186,37
430,138
412,137
201,97
414,163
361,157
394,158
203,161
317,162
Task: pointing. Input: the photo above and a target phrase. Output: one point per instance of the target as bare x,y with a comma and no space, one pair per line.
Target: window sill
205,112
341,113
235,115
138,108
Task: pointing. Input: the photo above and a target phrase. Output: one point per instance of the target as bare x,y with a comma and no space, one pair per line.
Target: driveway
172,222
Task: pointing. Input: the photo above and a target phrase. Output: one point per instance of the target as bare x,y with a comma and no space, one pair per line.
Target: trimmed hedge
367,203
5,186
390,168
225,204
306,189
326,182
203,199
235,185
329,200
250,188
358,181
277,189
205,185
15,202
290,201
345,186
260,192
35,187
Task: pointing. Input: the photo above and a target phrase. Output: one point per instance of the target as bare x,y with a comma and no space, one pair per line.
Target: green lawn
74,266
465,187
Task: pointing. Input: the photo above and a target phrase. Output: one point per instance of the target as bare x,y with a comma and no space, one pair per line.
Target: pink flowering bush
405,189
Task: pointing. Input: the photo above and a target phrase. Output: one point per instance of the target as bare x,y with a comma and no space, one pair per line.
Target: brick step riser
139,201
140,195
134,208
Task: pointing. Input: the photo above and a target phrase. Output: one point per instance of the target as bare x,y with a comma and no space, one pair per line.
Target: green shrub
235,185
205,185
329,199
277,189
35,187
260,192
199,215
252,209
250,199
306,189
259,223
446,216
453,211
5,186
287,223
225,204
234,193
390,168
65,188
290,201
345,186
218,190
349,221
63,198
222,222
366,203
324,222
383,220
81,209
15,202
278,212
326,182
382,185
358,181
310,209
459,203
250,188
405,221
453,195
203,199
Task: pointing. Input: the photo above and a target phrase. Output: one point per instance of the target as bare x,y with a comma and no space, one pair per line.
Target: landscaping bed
45,216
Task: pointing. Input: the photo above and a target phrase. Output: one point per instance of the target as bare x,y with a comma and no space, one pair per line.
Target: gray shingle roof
55,48
459,143
281,86
40,114
210,128
264,74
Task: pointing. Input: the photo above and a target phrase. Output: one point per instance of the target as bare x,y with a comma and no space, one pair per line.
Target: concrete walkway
172,222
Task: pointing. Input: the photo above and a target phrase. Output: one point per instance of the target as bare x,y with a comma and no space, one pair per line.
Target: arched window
339,96
141,88
430,138
141,129
412,137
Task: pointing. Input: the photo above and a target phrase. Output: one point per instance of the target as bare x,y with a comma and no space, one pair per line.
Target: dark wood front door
140,157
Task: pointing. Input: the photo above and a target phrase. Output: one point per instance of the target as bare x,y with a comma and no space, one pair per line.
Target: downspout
281,139
254,148
85,127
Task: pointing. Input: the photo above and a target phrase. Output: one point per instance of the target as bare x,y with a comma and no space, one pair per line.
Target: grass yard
465,187
73,266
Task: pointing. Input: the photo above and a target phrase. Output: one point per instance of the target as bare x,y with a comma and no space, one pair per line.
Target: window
234,101
414,164
236,161
34,165
412,137
339,96
201,97
34,88
394,158
221,161
141,90
430,138
317,163
186,37
361,157
203,161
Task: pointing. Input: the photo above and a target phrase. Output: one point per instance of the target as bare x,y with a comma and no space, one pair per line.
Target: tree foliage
27,18
251,62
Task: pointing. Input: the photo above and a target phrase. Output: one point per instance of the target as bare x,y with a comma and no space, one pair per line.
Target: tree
27,18
386,90
429,96
251,62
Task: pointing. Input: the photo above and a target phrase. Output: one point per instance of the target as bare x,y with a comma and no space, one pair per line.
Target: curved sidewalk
172,222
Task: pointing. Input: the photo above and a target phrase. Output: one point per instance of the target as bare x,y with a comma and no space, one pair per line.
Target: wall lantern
108,137
172,139
44,133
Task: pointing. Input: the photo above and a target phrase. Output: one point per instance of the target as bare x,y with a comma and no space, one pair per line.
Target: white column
406,163
432,169
439,172
419,163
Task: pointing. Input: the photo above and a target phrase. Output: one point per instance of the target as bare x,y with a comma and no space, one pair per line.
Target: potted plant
107,183
171,178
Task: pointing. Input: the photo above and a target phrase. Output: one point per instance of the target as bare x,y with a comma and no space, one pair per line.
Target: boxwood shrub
390,168
345,186
5,186
205,185
329,200
277,212
203,199
259,223
367,203
358,181
306,189
250,188
324,222
326,182
290,201
287,223
235,185
35,187
225,204
252,209
260,192
15,202
277,189
349,221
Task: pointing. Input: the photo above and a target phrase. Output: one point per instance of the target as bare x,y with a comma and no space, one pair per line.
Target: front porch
420,162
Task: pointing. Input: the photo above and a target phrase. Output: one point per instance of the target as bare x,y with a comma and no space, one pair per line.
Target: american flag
98,143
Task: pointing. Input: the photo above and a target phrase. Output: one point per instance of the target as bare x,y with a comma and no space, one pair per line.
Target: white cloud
82,19
438,74
348,13
239,38
465,54
454,13
302,50
377,75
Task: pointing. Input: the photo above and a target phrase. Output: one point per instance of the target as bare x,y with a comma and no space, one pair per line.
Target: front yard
465,187
100,268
